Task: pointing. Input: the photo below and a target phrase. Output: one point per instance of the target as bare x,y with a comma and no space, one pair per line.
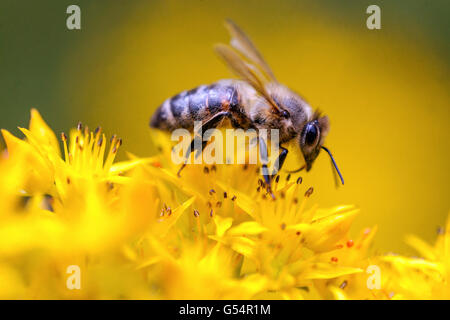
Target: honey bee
256,101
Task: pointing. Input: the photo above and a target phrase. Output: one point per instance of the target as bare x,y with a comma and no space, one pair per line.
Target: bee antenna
334,163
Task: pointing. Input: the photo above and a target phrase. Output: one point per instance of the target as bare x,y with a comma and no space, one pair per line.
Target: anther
205,170
277,178
350,243
225,195
196,213
97,130
299,180
234,198
334,259
79,126
283,226
343,284
211,213
288,177
309,192
218,204
211,192
63,137
100,142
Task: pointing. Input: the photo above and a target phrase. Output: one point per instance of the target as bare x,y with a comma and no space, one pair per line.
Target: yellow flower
136,230
425,277
84,158
281,241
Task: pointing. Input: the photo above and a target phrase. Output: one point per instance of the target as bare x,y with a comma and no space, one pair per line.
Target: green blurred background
386,91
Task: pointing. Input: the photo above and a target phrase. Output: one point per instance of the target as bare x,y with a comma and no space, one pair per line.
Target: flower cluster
136,230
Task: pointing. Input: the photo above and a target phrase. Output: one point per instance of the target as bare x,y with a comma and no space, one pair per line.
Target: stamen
309,192
66,151
115,144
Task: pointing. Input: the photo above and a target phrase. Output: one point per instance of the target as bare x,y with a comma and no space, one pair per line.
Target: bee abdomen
198,104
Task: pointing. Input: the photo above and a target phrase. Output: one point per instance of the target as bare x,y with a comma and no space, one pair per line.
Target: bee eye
311,134
285,114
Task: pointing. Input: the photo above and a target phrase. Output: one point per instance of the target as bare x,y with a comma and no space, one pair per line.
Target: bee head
312,138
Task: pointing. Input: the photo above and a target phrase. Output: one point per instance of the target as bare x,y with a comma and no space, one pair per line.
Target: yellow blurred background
386,91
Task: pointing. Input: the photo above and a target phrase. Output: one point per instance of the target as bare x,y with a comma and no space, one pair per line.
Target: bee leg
280,161
209,124
265,170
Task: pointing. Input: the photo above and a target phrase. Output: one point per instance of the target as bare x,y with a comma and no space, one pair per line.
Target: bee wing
246,71
242,43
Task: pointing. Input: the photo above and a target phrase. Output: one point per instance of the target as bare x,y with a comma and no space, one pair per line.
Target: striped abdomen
198,104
